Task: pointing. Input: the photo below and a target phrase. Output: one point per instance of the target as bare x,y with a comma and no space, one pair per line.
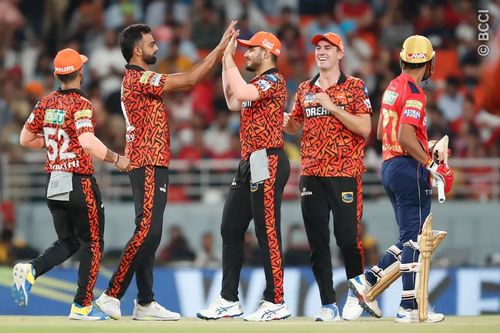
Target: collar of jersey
269,71
342,79
408,78
72,90
134,67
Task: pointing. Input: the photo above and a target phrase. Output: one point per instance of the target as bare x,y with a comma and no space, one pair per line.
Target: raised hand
227,35
231,46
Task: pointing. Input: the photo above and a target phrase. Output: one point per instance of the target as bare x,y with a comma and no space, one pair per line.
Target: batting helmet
416,50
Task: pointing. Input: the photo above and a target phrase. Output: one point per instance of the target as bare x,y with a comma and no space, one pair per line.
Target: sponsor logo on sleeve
54,116
411,113
155,81
86,113
413,103
145,77
83,123
389,97
264,85
367,103
31,118
365,89
347,197
272,78
308,98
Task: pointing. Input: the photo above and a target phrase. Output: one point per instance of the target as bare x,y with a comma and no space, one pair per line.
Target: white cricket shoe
110,306
221,308
360,288
352,309
269,311
411,316
153,311
328,312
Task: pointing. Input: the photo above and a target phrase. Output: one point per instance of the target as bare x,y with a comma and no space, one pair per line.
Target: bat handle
441,194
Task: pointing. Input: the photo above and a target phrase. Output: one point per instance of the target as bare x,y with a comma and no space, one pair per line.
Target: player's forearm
241,90
407,138
232,103
31,140
93,146
360,125
201,69
292,127
380,127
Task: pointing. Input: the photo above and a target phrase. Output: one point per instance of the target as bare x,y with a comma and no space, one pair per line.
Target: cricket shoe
24,278
268,311
352,309
329,312
88,313
360,288
407,316
153,311
221,308
110,306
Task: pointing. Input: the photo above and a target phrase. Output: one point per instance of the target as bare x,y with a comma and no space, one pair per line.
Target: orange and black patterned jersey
262,120
328,148
62,117
148,135
403,103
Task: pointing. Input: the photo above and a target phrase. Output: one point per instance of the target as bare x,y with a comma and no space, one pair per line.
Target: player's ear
137,50
340,54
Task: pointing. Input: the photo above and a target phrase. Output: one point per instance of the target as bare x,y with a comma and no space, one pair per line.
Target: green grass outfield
39,324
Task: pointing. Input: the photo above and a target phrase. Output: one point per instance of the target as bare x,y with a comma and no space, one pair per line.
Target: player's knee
229,233
72,246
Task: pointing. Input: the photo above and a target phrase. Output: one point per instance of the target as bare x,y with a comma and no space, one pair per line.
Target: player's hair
407,65
66,78
130,36
274,58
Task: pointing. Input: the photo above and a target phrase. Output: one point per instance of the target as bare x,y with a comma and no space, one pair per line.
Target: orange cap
68,61
264,39
331,38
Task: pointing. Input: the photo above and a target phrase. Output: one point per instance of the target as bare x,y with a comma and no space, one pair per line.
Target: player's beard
149,59
253,65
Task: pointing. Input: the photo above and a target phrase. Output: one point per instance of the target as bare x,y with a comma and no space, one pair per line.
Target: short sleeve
151,83
84,118
34,123
413,110
362,99
267,85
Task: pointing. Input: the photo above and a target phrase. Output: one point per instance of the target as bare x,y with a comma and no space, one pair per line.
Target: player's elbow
365,132
234,106
23,141
25,138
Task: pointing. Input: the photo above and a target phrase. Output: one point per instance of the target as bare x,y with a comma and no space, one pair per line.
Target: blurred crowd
462,101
